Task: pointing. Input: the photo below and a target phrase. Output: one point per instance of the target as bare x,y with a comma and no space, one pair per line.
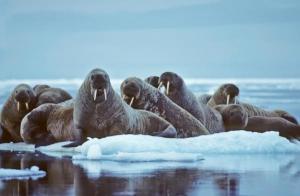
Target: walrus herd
43,115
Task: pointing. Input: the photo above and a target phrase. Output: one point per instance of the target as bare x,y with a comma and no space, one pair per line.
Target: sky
195,38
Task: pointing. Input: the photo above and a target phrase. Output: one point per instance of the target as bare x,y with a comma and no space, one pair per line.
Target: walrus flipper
285,128
169,132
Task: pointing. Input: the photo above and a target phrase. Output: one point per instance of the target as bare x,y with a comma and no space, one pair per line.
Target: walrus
141,95
152,80
177,91
47,94
235,117
99,112
49,123
21,101
227,94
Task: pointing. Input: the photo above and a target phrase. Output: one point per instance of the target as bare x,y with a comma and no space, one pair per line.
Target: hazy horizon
195,38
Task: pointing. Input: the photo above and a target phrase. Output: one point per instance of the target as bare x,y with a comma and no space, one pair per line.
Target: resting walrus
226,94
47,94
49,123
178,92
99,112
153,81
21,101
141,95
235,117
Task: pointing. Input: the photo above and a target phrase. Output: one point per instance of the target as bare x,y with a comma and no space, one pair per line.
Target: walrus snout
153,80
171,81
130,90
234,117
230,91
99,81
23,98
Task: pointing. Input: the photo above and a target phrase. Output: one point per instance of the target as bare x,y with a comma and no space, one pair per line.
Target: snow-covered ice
33,172
139,148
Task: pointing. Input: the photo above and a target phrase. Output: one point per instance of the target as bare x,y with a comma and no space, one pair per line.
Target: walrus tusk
95,94
168,86
131,101
105,94
18,106
228,97
159,85
27,106
235,100
123,97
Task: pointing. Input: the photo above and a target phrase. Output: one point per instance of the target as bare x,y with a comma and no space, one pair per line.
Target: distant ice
33,172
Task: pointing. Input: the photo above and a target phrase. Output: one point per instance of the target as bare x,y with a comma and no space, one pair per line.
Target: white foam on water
33,172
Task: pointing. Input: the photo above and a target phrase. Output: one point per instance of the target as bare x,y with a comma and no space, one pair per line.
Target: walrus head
226,94
234,116
131,90
171,81
24,97
99,85
153,80
39,88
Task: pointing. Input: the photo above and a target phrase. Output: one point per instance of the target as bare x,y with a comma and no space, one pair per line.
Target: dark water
216,175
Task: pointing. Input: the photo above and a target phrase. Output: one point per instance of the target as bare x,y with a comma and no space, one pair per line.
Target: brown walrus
177,91
99,112
49,123
235,117
141,95
226,94
47,94
153,81
21,101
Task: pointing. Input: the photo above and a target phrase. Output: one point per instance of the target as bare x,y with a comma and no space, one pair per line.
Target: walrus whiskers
27,105
168,86
105,94
131,101
18,106
95,94
228,97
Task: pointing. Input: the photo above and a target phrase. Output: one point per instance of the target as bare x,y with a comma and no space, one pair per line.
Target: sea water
237,163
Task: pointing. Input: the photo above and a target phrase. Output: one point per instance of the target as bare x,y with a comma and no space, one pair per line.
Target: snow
143,148
33,172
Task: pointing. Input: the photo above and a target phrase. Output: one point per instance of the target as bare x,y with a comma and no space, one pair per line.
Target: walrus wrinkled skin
47,94
21,101
177,91
230,91
235,117
99,112
153,81
49,123
142,95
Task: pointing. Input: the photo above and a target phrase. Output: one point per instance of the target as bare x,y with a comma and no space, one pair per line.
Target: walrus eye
16,92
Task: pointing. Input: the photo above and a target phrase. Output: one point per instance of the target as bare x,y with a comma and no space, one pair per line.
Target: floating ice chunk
33,172
21,146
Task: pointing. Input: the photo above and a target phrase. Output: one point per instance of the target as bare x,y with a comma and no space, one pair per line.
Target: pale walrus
49,123
226,94
21,101
47,94
177,91
99,112
141,95
235,117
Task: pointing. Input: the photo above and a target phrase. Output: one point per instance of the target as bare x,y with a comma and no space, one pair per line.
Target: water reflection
216,175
